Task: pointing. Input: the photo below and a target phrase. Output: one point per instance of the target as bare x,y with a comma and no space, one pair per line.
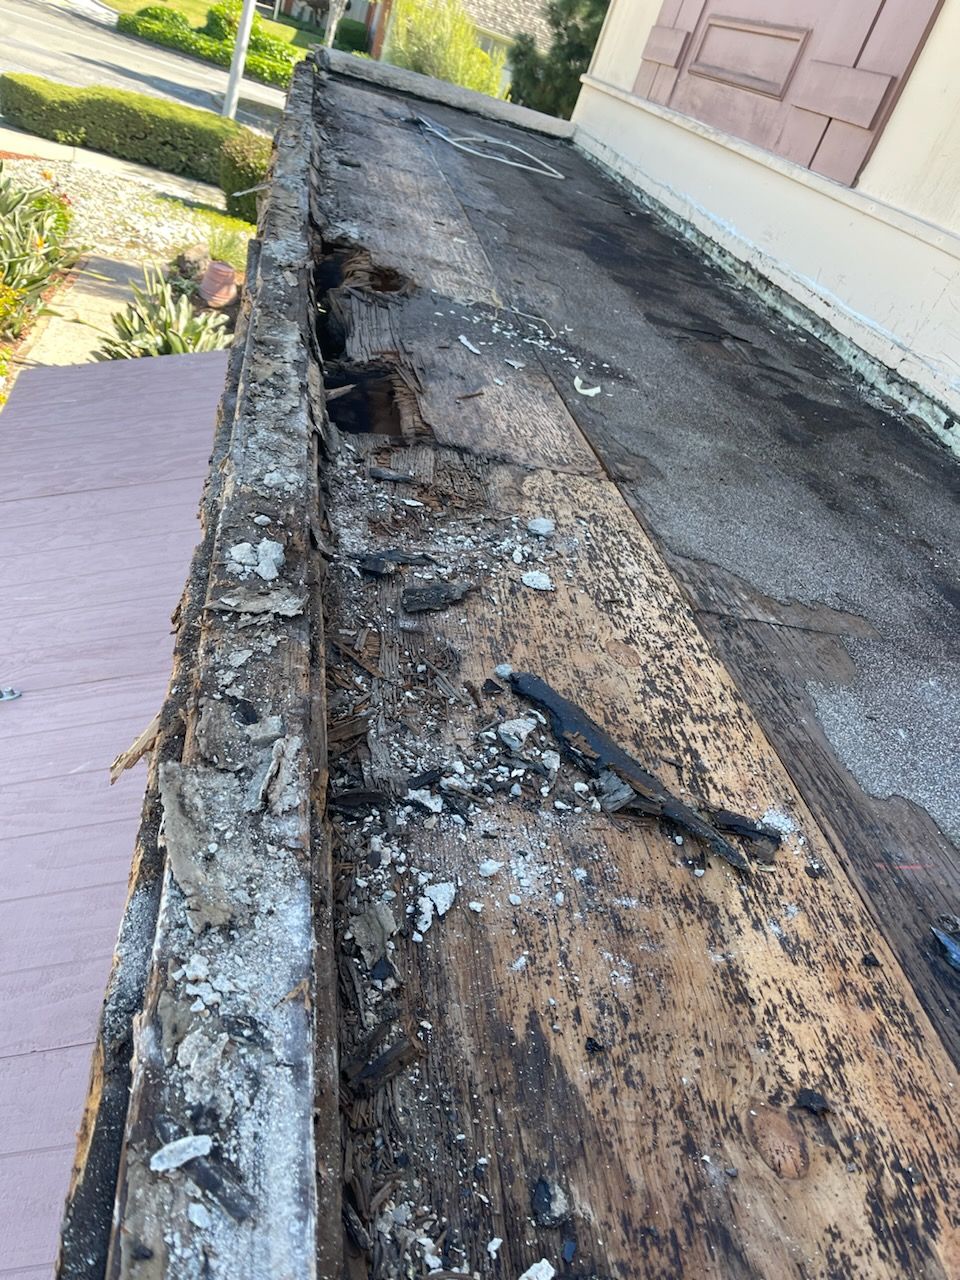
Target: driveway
65,43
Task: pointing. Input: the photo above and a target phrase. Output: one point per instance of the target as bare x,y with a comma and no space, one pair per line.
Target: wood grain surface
700,1060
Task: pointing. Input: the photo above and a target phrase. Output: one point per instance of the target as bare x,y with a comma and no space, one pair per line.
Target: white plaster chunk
514,733
489,868
442,895
177,1153
199,1215
425,797
541,526
425,916
537,580
541,1270
269,560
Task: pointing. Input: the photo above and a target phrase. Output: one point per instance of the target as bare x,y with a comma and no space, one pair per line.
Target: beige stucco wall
880,265
616,58
916,163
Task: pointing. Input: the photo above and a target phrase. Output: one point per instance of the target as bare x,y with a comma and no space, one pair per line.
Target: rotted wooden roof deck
549,1036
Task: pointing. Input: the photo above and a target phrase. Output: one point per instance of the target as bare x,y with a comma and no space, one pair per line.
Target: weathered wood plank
714,1000
700,1061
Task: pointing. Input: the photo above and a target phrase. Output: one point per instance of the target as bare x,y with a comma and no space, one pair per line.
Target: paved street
67,42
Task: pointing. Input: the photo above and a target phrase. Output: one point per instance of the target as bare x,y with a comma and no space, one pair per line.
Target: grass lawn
195,11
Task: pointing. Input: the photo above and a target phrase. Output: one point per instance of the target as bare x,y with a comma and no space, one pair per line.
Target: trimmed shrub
132,126
244,162
268,59
352,36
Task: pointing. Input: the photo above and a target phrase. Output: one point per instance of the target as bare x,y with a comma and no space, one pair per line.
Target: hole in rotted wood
370,407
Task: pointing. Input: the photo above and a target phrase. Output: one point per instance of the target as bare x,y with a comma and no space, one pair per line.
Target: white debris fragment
199,1214
442,895
551,762
519,964
514,364
493,1246
779,821
425,797
514,733
425,918
270,559
584,390
537,580
241,556
475,906
542,526
503,670
177,1153
515,899
541,1270
489,868
469,345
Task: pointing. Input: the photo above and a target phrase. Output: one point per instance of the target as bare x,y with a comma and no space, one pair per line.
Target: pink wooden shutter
813,80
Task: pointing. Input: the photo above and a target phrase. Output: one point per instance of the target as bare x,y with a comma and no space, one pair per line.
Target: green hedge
352,36
244,161
268,59
132,126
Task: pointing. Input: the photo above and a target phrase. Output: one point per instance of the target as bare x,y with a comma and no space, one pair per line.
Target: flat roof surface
103,467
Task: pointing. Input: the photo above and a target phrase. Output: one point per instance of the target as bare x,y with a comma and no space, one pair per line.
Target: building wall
878,266
916,163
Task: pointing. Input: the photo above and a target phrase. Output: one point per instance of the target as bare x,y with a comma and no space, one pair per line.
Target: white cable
538,165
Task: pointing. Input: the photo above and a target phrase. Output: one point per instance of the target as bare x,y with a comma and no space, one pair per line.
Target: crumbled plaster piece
280,789
489,868
199,1215
537,580
541,1270
425,797
469,345
270,559
425,918
442,896
493,1246
283,602
541,526
475,906
779,821
503,670
551,762
177,1153
514,733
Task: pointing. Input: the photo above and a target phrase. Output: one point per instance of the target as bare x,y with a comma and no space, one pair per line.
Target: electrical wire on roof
468,141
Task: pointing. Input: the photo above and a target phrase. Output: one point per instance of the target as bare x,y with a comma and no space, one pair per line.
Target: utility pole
232,95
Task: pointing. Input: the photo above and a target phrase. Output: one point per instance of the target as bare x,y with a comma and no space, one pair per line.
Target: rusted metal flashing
201,1110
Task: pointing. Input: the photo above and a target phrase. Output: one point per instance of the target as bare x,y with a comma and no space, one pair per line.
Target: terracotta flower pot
218,288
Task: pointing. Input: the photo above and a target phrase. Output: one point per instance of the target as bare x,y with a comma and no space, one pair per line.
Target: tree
437,38
550,81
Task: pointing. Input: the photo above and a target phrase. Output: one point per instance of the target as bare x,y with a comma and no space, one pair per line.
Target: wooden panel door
812,80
